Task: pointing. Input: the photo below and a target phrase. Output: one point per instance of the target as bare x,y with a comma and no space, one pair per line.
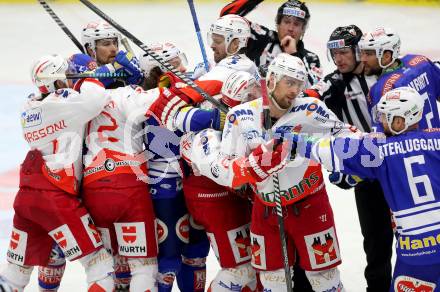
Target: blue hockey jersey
406,166
415,71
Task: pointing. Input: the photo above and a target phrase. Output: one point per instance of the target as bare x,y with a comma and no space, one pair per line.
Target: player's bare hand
288,44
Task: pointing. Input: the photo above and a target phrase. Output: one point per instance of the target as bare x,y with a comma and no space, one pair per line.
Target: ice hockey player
291,21
114,186
380,54
308,215
102,44
182,249
47,209
223,213
345,92
402,159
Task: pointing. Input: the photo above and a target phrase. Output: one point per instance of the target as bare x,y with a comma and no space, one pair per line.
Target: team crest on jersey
240,241
162,231
66,241
132,240
31,118
258,249
182,228
322,248
91,229
199,280
17,247
405,284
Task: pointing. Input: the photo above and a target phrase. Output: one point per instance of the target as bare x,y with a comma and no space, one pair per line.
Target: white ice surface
27,32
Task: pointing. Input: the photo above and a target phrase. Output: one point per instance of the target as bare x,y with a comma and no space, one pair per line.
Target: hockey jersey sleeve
359,156
195,119
240,7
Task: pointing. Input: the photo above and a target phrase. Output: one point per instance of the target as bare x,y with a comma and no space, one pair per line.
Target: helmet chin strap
275,103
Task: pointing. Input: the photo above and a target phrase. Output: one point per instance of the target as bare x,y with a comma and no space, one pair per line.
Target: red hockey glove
169,102
264,161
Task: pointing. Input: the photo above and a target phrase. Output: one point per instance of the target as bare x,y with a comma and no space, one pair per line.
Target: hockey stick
127,46
267,125
82,75
155,56
62,25
199,36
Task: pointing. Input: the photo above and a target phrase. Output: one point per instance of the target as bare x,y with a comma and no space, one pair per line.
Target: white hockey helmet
402,102
95,31
231,27
287,65
168,52
381,40
238,87
43,72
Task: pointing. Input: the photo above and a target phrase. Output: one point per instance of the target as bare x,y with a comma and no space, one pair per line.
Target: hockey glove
344,181
130,64
265,160
169,102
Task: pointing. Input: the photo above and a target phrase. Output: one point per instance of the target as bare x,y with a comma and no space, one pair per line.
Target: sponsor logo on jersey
311,108
131,238
17,247
240,242
182,228
295,192
162,231
44,132
410,284
258,249
322,248
199,280
91,229
417,60
390,82
414,244
66,241
245,114
31,118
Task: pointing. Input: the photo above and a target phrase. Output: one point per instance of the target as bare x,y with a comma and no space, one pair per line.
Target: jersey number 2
420,179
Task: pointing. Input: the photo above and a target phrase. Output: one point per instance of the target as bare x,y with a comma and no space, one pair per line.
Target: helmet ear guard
95,31
381,40
231,27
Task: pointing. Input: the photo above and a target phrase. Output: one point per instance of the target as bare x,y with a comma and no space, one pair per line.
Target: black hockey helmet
345,37
294,8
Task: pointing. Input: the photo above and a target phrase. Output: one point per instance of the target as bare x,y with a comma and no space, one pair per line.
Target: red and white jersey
115,137
243,132
55,126
212,81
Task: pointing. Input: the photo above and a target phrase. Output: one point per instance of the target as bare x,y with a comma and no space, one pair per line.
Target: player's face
371,64
292,26
106,50
178,64
218,46
345,59
286,90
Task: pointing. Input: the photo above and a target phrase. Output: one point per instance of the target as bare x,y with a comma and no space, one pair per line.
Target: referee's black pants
375,222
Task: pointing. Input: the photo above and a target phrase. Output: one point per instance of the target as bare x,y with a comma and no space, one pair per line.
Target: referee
344,92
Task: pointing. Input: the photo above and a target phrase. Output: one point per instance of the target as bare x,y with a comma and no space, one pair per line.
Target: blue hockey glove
344,181
130,64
